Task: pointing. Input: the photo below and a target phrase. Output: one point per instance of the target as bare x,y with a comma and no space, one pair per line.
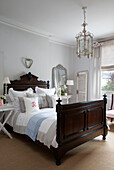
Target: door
82,86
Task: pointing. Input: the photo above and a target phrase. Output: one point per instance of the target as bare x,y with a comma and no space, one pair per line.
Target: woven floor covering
21,153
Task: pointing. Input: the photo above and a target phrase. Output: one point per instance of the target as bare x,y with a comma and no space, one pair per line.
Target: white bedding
47,130
10,120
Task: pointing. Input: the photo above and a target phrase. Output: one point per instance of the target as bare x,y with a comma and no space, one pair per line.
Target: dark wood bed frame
27,81
76,123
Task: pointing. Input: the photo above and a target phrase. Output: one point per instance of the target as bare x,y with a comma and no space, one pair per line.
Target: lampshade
6,80
70,82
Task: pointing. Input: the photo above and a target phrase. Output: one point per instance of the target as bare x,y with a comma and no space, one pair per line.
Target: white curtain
107,64
97,73
103,59
107,59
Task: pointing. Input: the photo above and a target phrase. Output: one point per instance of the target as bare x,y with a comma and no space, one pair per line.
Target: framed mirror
59,76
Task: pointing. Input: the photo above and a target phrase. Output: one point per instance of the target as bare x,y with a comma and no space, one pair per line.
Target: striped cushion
42,101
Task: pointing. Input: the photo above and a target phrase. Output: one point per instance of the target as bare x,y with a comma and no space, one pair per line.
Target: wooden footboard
78,123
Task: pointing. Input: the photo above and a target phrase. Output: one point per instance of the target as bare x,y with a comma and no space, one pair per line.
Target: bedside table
6,108
65,99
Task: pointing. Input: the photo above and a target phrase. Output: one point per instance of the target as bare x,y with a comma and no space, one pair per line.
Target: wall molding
61,43
32,30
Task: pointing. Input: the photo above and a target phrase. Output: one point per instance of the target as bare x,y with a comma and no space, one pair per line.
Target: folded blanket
44,131
35,123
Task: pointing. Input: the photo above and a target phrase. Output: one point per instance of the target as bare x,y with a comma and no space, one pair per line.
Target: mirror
59,76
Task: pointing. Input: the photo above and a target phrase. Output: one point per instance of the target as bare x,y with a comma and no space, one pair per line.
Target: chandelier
84,40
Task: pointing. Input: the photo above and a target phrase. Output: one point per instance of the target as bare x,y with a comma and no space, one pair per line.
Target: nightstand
65,99
9,109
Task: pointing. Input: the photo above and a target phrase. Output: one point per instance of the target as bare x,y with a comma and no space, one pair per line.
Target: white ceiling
60,20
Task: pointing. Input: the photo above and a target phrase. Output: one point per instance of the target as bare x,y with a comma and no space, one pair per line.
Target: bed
74,124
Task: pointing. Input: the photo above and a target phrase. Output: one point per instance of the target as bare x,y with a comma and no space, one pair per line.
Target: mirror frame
60,67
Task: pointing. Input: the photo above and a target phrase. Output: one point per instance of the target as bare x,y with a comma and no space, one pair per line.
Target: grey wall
16,44
83,64
1,70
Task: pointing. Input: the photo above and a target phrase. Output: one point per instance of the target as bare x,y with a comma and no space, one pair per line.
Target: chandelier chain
84,10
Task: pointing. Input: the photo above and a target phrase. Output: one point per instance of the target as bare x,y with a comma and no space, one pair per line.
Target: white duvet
47,130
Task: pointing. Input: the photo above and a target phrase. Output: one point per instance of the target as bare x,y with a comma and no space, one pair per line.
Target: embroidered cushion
31,104
42,100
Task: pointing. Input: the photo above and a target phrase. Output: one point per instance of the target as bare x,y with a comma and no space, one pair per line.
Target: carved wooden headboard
27,81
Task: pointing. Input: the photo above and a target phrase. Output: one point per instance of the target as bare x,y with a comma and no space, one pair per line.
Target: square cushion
42,99
51,101
31,104
22,105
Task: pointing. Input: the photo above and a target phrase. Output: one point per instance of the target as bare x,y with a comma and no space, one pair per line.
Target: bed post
105,126
58,132
47,84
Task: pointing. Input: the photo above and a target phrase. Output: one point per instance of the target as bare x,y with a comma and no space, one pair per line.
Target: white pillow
54,100
45,91
31,104
42,99
8,99
14,97
14,93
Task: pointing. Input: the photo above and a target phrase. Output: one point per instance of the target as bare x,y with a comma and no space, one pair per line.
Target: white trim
61,43
32,30
23,27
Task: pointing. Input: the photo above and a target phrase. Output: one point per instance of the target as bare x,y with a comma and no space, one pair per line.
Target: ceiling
60,20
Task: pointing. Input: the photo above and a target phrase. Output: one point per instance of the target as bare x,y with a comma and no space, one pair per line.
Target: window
107,70
107,81
107,85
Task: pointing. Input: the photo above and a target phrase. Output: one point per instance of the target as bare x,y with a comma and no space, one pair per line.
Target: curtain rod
101,41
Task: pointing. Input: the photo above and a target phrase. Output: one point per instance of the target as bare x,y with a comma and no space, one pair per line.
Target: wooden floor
23,154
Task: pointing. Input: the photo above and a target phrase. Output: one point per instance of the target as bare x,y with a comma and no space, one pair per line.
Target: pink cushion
110,113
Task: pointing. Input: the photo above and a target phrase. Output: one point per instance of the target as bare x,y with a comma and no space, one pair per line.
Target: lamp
69,83
6,81
84,40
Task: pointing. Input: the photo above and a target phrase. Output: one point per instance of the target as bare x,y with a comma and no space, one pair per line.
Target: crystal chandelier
84,40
